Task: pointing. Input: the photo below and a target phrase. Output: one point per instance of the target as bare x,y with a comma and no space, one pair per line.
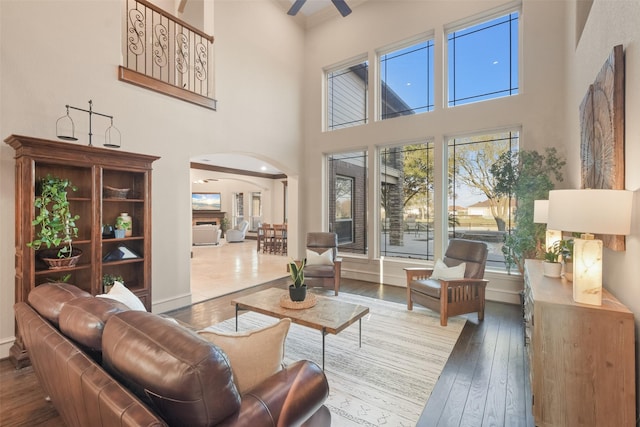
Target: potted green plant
123,226
527,176
551,265
298,290
108,280
55,224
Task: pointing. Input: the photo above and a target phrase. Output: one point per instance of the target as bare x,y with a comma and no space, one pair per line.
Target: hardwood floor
484,383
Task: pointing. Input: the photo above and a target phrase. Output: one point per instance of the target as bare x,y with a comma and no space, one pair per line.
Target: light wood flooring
484,383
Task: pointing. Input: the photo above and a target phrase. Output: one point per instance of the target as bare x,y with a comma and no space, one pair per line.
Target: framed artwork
602,133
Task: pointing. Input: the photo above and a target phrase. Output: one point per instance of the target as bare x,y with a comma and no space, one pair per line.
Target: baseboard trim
5,346
168,304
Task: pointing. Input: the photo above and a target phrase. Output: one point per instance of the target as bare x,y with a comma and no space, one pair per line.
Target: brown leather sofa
102,364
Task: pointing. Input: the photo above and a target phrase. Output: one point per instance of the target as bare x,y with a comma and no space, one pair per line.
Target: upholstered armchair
448,288
206,234
323,267
237,234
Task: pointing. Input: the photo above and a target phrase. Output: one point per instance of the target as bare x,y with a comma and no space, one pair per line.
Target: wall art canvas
602,133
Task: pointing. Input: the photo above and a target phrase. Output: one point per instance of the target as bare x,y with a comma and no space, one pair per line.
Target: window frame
507,9
328,103
428,37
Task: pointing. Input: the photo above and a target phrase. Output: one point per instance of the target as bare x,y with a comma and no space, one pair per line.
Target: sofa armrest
287,398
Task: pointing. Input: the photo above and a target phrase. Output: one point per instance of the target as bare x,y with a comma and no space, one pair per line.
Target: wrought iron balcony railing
167,55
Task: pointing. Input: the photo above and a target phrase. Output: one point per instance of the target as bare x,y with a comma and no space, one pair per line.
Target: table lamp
541,216
589,211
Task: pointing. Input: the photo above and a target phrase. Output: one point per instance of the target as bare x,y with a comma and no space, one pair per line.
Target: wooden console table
581,357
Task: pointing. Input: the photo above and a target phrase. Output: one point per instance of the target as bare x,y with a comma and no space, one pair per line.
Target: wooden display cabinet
90,169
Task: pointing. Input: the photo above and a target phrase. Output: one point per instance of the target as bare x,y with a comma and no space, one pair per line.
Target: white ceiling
236,161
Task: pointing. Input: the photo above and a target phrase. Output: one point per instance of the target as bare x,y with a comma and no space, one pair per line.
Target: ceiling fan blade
296,7
342,7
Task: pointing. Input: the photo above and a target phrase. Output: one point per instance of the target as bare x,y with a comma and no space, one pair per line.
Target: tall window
406,80
347,96
344,209
475,210
238,208
347,174
483,60
256,210
406,199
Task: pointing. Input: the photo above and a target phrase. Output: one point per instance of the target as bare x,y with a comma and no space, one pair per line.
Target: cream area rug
388,380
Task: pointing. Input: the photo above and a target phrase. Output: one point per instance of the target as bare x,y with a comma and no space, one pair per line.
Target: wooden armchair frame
454,297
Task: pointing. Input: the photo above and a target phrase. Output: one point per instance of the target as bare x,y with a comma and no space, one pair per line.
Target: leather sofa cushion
185,378
83,319
48,299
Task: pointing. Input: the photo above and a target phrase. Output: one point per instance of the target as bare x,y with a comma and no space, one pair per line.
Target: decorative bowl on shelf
50,257
115,193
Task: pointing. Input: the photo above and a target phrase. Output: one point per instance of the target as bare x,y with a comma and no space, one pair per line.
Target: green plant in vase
123,222
108,280
298,290
54,222
552,266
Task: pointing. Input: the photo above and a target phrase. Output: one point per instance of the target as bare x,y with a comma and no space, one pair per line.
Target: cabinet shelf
122,262
123,200
49,271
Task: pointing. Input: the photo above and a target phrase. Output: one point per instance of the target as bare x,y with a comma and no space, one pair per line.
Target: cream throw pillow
325,258
121,293
441,271
254,355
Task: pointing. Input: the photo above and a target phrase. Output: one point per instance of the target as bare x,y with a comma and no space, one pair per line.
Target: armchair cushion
254,355
315,258
443,272
427,286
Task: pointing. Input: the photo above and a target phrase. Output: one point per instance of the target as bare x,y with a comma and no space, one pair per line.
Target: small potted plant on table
551,264
298,290
56,225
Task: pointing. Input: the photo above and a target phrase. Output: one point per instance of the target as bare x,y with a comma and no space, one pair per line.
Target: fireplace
207,217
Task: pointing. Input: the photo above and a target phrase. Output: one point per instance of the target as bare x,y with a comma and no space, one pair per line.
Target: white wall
610,22
539,108
67,52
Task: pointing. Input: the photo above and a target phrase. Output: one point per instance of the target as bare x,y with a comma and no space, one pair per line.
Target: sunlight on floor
230,267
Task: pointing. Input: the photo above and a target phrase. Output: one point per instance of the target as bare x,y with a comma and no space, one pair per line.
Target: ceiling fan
341,5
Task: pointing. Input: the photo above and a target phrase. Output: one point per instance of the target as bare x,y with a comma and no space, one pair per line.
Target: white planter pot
552,269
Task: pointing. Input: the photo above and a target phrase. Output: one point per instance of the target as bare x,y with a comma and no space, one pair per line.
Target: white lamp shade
540,211
591,211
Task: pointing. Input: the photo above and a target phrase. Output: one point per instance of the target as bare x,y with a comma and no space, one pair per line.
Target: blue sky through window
483,61
407,73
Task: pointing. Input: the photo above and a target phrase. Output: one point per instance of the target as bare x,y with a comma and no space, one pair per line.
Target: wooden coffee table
329,315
